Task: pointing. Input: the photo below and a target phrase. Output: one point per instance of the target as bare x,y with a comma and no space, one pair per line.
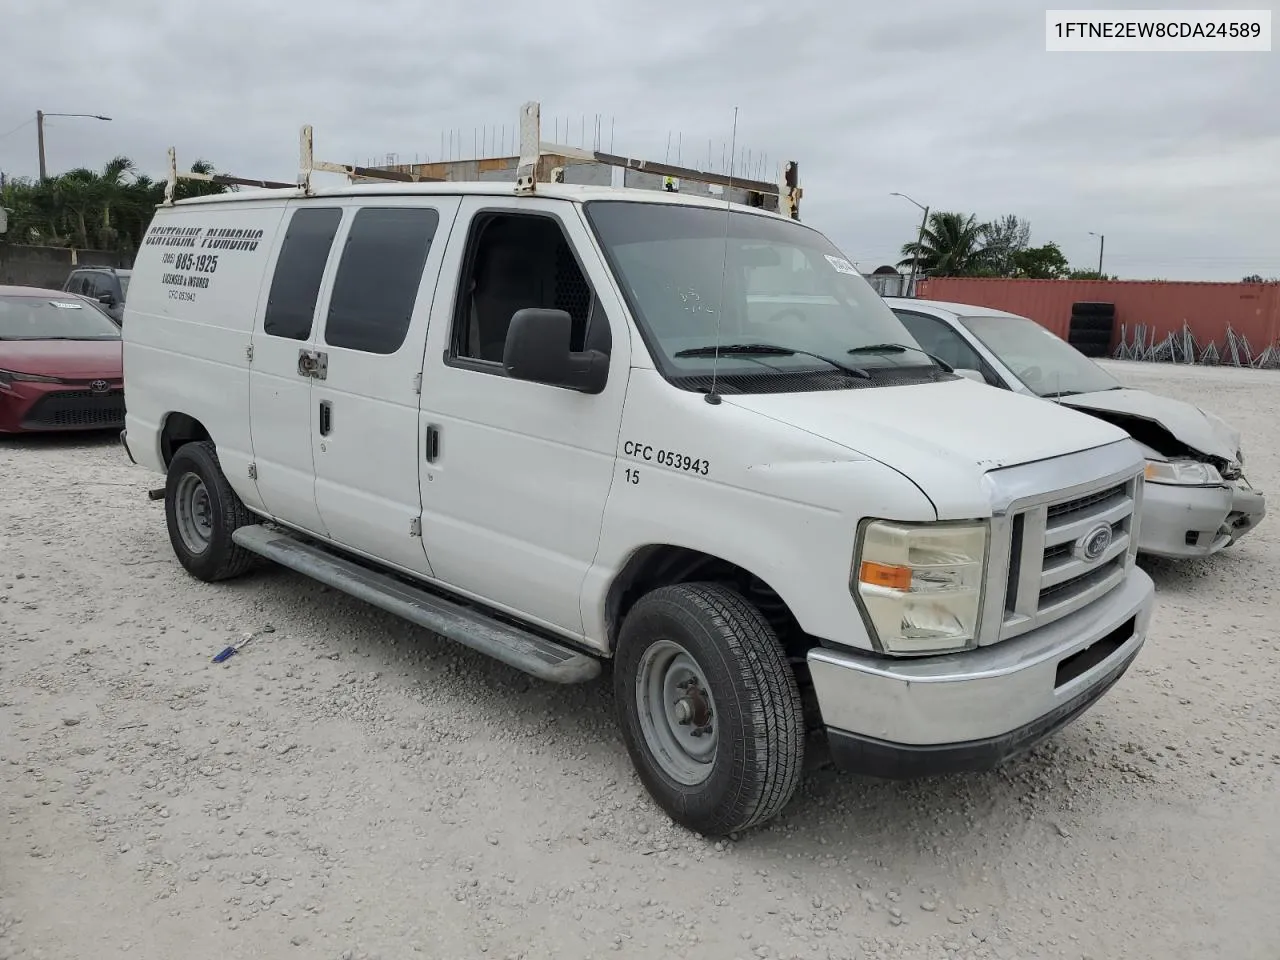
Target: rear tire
202,511
699,657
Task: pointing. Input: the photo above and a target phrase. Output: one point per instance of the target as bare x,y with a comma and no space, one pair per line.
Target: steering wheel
1030,373
786,311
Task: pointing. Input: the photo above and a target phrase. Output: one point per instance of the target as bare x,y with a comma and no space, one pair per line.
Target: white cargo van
565,425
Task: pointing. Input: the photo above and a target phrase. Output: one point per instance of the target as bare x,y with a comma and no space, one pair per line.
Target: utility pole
1102,242
40,142
915,259
40,115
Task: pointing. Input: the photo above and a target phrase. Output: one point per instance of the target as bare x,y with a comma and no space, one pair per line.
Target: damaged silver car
1197,500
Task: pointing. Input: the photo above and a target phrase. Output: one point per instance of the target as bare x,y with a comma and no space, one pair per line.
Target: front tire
202,511
709,707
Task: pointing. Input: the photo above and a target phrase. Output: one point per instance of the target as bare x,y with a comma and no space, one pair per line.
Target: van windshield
794,309
1047,364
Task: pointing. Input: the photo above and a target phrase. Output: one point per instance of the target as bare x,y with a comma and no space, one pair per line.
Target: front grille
1060,513
1050,574
71,409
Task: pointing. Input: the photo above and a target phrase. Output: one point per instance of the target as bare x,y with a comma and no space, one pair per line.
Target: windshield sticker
64,305
841,265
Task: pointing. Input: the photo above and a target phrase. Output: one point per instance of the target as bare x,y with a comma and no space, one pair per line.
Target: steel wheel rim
677,713
194,511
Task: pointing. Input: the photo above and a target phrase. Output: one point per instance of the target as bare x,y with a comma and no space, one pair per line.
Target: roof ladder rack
349,170
171,184
533,167
308,165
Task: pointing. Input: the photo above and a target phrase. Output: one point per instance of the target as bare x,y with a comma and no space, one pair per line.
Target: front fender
801,543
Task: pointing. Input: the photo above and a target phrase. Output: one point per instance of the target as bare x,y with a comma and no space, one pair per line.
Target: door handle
326,417
433,443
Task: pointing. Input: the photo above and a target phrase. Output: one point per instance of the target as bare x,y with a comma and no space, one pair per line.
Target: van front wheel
202,512
708,707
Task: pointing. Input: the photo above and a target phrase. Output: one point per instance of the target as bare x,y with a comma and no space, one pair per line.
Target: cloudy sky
1174,157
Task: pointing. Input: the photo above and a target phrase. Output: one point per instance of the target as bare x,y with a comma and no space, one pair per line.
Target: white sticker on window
841,265
65,305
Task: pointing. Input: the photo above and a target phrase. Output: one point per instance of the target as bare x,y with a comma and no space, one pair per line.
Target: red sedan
61,363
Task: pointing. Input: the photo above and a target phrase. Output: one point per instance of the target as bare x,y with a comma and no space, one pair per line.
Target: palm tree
77,193
111,187
33,211
953,245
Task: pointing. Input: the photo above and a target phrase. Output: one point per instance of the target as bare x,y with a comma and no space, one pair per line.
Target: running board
535,655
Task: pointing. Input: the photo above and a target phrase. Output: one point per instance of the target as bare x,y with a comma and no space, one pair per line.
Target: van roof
561,191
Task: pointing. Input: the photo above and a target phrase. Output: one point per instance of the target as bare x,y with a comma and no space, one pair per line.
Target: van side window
378,278
516,261
291,304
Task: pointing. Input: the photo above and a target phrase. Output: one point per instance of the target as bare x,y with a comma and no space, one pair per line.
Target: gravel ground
350,787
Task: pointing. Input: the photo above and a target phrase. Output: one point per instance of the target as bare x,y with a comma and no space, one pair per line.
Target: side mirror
107,299
537,349
971,374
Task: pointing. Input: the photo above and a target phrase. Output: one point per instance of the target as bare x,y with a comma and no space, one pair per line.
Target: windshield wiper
1063,393
769,350
901,348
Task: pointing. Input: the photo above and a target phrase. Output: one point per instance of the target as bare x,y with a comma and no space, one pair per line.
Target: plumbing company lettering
189,272
204,238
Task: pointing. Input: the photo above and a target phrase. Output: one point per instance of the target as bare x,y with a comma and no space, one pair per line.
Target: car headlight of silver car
920,586
1185,473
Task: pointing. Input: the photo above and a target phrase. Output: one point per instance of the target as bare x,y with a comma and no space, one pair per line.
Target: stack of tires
1092,328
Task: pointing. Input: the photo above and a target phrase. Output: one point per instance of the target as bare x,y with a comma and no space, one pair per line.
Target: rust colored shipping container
1251,309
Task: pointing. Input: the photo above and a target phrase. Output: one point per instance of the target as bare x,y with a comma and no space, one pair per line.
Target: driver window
518,261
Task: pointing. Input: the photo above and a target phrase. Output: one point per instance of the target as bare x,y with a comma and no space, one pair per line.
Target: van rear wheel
202,511
708,707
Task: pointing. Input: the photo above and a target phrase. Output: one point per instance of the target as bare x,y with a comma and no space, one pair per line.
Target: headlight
9,376
920,586
1188,473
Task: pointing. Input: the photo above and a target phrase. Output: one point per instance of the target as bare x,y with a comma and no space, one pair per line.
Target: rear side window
291,304
378,278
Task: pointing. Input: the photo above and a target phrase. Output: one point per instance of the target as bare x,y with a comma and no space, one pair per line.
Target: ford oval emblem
1094,543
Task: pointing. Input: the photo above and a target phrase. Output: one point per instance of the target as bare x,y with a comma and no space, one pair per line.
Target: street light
915,260
1102,242
40,115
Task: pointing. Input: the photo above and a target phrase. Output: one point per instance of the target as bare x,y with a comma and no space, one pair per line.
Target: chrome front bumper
1181,522
973,710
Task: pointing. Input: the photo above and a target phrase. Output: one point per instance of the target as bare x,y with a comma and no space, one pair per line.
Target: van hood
942,436
1156,421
